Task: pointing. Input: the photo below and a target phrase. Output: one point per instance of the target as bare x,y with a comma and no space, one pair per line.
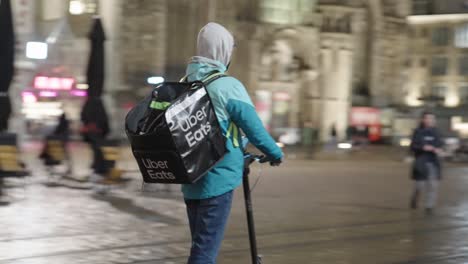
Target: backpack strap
213,77
233,130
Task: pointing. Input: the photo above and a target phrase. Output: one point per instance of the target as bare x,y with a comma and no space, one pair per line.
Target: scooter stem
250,220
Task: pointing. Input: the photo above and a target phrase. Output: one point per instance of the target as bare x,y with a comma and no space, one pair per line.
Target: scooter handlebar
255,157
261,159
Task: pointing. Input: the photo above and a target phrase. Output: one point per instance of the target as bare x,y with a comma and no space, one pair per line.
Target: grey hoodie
214,45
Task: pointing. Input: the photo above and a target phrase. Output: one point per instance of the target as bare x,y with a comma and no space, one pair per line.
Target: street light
76,7
155,80
82,86
36,50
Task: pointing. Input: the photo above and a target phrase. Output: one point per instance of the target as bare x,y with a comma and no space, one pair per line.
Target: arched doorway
280,97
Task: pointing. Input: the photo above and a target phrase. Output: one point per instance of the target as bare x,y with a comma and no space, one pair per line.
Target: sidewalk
376,153
306,211
60,222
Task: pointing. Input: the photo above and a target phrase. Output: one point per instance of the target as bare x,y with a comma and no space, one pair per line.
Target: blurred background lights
155,80
76,7
36,50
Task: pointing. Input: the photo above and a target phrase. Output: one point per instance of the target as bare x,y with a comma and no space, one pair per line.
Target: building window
79,7
439,66
423,32
285,12
461,36
438,91
422,62
463,92
440,36
463,65
407,63
421,7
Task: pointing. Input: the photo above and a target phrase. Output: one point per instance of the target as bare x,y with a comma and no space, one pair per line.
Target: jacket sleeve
243,114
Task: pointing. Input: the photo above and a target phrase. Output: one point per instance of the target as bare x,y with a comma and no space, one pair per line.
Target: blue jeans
207,219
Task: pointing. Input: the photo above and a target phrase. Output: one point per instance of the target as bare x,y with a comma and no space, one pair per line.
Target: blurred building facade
439,31
306,63
437,65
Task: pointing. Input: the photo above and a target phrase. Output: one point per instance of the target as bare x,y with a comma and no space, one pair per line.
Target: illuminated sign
79,93
367,117
28,97
48,94
362,116
53,83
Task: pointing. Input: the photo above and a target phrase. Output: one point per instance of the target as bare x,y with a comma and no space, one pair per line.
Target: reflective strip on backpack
159,105
183,78
232,129
176,109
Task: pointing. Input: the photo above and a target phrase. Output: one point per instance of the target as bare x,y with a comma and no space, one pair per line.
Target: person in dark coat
426,145
63,131
62,134
63,127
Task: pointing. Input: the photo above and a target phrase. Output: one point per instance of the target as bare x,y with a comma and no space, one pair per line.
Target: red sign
362,116
367,117
53,83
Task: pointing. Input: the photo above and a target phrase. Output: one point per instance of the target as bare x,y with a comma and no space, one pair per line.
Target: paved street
333,211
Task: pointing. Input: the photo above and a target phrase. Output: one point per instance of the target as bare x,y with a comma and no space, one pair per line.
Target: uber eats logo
195,127
157,169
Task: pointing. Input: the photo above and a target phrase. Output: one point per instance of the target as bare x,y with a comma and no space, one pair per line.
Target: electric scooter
249,158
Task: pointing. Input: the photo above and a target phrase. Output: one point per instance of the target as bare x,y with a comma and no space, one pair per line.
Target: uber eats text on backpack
196,127
181,139
157,169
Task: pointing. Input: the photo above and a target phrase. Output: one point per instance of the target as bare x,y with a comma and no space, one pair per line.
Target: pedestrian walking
333,139
63,132
209,199
426,145
60,135
63,127
333,132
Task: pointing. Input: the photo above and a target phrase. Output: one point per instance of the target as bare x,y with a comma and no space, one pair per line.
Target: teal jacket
232,104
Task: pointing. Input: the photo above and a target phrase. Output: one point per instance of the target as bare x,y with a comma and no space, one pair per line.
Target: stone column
376,52
335,82
250,58
359,29
310,98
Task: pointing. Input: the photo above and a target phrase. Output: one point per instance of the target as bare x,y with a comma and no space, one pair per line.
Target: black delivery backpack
174,132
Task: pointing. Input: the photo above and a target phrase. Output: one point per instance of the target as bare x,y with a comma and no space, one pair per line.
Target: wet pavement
306,212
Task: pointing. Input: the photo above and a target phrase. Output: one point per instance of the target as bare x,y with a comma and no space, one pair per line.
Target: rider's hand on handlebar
276,162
